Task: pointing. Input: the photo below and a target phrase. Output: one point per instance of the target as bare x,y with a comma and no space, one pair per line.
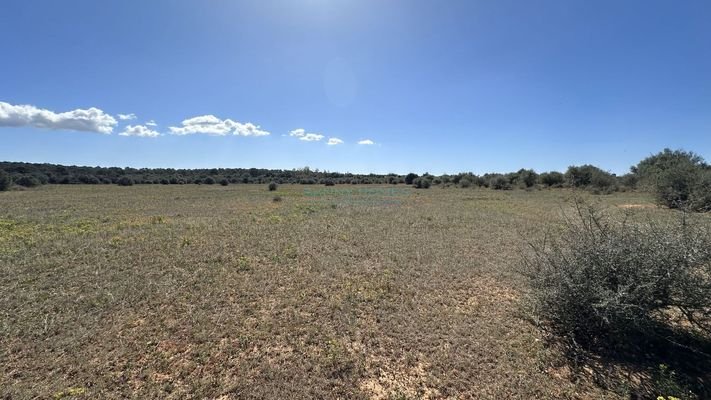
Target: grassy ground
222,292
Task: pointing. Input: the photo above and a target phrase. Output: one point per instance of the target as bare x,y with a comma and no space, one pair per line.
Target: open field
222,292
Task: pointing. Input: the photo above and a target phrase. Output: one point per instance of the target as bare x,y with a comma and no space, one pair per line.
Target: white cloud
211,125
298,132
87,120
311,137
126,117
139,130
307,137
366,142
151,123
334,141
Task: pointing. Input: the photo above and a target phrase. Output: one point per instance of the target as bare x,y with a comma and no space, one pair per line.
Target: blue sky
437,86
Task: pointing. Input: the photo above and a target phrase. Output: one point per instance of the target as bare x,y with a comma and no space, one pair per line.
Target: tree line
678,178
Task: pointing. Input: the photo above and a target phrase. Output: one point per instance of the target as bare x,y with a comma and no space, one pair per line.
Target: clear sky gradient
438,86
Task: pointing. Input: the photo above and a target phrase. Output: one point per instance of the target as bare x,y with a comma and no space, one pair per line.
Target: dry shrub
605,278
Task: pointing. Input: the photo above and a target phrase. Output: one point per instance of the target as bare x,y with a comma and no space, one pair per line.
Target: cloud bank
86,120
139,130
211,125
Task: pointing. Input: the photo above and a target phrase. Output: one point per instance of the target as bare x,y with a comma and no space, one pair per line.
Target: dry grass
220,292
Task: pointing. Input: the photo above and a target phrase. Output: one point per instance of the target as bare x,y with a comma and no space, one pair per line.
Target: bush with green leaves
125,181
272,186
422,183
209,180
224,182
28,181
679,179
551,179
410,178
604,278
5,181
590,177
526,177
500,182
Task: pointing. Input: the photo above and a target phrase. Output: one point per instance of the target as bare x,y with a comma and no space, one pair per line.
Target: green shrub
125,181
27,181
604,278
209,180
273,186
551,179
224,182
410,178
421,183
329,182
679,179
5,181
499,182
527,177
700,199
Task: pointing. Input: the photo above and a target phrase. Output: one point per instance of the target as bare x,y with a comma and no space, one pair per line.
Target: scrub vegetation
362,292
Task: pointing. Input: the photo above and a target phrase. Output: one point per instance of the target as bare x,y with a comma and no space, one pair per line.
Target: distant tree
209,180
410,178
552,178
5,181
329,182
224,182
591,177
273,186
527,177
678,178
500,182
421,183
125,181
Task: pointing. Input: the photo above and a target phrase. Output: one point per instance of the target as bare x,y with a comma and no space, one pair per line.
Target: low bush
499,182
604,279
410,178
551,179
421,183
224,182
125,181
273,186
27,181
